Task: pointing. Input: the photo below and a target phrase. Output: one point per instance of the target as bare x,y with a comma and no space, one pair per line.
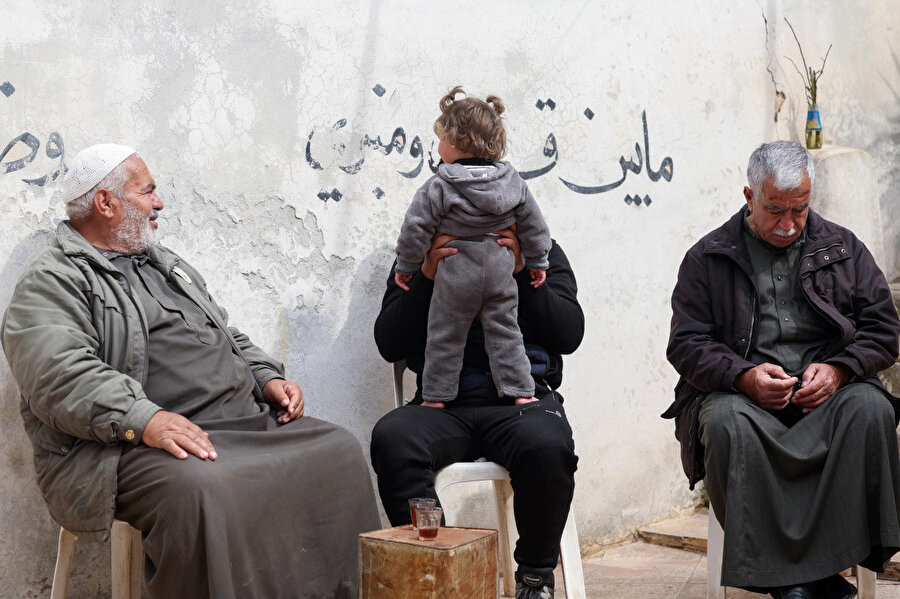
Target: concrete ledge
688,533
846,191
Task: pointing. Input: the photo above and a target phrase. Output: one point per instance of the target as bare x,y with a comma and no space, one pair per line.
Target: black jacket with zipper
715,312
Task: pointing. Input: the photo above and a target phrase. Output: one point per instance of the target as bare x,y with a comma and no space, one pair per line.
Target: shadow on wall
335,359
351,374
28,553
337,364
886,149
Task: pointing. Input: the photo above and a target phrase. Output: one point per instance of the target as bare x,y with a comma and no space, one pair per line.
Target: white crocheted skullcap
90,166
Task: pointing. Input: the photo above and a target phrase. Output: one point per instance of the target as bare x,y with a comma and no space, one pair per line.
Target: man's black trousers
532,441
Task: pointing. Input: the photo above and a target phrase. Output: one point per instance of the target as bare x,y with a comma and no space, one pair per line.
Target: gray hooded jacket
472,200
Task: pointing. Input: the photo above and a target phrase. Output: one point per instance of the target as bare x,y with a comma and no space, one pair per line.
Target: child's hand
538,276
403,280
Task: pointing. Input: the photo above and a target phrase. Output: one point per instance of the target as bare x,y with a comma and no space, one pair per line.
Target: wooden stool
127,562
460,562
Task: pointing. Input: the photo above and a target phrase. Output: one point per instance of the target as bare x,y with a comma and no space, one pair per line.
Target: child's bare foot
520,401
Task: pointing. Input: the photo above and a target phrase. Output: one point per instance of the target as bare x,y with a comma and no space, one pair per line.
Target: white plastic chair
482,470
126,556
865,579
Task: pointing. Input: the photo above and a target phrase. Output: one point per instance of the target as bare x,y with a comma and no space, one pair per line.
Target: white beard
134,234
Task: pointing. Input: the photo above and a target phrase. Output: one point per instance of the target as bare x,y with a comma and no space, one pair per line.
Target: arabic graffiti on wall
54,149
664,171
396,142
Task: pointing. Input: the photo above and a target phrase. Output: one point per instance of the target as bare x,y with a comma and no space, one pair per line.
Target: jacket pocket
50,446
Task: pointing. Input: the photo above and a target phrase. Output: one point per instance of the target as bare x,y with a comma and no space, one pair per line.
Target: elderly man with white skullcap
143,405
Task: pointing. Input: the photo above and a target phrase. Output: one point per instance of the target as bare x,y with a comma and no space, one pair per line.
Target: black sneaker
534,586
835,587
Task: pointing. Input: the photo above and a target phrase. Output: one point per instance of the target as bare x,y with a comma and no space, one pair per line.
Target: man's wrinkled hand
767,384
287,397
437,252
177,435
819,382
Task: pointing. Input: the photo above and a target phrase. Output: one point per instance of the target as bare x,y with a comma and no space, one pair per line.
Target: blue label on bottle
813,121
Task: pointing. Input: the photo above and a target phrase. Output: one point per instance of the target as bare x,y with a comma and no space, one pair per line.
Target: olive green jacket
77,343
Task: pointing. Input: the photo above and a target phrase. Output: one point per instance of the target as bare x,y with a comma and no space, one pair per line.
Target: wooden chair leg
137,563
63,564
865,580
715,541
126,561
570,555
506,523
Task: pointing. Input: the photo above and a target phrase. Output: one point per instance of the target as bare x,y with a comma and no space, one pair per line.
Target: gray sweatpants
476,281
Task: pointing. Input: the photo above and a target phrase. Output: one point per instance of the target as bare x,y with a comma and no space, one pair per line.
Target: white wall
222,99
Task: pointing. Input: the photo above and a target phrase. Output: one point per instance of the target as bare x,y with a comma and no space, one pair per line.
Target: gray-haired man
125,363
781,320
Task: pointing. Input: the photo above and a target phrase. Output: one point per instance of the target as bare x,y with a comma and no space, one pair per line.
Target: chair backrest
399,369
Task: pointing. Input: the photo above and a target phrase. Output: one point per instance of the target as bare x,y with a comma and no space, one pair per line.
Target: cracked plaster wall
859,92
251,117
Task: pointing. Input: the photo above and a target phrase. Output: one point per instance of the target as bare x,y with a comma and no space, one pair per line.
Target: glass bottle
813,128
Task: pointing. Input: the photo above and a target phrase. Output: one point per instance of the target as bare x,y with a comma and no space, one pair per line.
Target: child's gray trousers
476,281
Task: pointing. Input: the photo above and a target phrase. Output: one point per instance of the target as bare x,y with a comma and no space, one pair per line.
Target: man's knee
391,441
865,404
719,418
544,439
188,485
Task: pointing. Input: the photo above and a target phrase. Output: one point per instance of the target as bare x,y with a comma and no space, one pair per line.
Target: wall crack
779,95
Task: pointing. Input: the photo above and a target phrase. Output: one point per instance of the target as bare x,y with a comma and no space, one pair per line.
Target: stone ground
648,570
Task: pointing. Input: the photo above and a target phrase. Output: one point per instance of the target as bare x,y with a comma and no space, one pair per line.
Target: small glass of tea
429,520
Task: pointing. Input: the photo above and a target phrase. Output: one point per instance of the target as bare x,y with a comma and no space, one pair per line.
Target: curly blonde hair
472,125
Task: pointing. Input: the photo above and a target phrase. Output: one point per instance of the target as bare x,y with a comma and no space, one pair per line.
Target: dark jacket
715,310
550,318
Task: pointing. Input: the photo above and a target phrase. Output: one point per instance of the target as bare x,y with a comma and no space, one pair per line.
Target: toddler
472,196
